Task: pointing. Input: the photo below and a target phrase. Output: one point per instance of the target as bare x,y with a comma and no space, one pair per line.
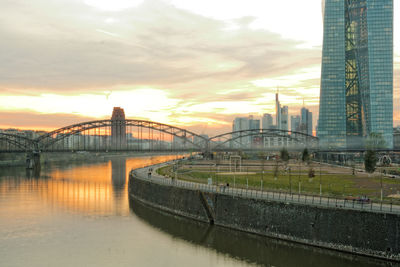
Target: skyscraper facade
254,124
295,123
277,112
240,124
284,118
267,121
357,73
306,125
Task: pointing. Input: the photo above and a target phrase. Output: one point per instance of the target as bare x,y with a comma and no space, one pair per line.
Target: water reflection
40,211
95,188
118,177
33,173
247,247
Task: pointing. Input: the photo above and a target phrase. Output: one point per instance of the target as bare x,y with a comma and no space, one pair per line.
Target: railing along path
312,200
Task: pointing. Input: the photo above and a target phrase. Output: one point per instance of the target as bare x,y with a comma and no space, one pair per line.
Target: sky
192,64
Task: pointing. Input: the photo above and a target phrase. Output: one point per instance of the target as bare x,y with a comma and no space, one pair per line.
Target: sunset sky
193,64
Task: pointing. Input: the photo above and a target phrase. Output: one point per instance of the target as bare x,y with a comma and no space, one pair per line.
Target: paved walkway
143,173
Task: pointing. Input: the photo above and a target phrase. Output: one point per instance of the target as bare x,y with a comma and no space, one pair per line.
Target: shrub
370,161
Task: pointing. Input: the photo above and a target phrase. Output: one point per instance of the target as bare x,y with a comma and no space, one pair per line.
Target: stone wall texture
360,232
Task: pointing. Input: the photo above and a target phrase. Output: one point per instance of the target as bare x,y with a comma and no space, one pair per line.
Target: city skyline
196,65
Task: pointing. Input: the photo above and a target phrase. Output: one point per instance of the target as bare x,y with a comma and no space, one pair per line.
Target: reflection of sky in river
73,214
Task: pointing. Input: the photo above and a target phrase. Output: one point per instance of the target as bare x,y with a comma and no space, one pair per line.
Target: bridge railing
287,198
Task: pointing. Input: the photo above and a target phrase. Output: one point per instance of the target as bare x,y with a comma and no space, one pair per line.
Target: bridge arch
129,135
17,143
243,139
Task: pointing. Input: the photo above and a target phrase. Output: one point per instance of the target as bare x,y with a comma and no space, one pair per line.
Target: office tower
306,121
278,112
267,121
309,124
240,124
285,118
253,123
357,73
118,129
295,123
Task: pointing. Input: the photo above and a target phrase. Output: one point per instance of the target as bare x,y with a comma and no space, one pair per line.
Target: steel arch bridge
111,135
260,139
16,143
142,135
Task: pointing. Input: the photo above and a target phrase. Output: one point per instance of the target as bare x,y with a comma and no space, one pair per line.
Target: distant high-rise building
118,129
306,121
254,124
309,124
267,121
356,96
284,118
295,123
277,112
240,124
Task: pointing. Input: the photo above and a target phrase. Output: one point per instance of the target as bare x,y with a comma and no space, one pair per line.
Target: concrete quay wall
360,232
171,199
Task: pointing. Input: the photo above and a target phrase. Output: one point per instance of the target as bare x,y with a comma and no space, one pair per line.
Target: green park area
292,176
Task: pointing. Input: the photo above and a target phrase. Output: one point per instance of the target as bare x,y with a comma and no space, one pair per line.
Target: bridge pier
33,160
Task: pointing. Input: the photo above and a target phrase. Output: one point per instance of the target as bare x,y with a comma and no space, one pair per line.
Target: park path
143,173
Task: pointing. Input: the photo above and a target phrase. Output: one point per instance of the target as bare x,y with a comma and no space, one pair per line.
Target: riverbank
19,159
311,179
362,232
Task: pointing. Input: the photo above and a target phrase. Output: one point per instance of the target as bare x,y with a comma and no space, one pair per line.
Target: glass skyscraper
357,73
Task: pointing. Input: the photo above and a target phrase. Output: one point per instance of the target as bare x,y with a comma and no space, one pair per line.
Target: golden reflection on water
91,189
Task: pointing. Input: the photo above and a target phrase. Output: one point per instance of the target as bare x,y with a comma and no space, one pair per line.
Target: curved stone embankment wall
360,232
169,198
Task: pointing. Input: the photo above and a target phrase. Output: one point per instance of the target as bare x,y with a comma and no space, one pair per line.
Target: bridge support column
33,160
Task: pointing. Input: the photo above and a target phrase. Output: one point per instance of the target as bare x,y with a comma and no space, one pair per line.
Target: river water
74,214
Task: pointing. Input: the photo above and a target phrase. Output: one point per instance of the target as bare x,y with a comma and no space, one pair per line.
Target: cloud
31,120
192,64
155,44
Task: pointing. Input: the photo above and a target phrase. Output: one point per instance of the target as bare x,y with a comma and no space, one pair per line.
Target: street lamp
320,184
381,185
290,181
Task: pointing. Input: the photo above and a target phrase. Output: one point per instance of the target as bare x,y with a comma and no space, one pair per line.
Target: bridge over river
141,135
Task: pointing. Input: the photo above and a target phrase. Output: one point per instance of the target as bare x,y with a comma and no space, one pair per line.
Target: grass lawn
335,181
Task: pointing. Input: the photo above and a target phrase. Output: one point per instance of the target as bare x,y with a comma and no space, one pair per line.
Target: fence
352,204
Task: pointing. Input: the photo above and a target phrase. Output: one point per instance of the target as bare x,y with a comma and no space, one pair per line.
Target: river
79,214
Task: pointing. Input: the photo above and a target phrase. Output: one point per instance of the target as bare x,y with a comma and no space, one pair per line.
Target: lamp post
382,186
299,175
320,184
290,181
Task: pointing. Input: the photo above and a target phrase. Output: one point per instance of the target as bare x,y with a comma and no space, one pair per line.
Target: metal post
381,187
290,181
320,184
